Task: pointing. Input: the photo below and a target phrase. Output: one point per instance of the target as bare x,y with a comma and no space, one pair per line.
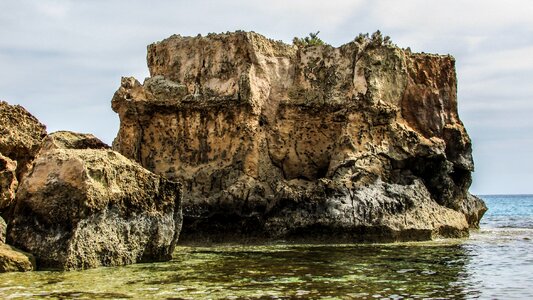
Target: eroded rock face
8,182
360,142
72,140
12,259
20,135
84,208
20,139
3,228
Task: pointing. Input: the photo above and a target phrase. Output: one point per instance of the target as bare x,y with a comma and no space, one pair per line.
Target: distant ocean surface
496,262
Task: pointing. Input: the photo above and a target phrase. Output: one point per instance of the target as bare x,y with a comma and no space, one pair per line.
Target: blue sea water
501,251
508,211
496,262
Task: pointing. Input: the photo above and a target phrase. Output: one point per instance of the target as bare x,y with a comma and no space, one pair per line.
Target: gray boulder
85,208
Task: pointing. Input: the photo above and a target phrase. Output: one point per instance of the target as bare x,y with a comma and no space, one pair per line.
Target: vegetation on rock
311,40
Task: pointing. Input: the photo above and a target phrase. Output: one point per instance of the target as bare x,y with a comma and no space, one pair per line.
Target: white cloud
54,9
63,59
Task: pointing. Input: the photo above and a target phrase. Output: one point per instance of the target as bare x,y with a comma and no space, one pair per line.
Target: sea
495,262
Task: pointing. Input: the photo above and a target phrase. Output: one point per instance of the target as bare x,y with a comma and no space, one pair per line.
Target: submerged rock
15,260
274,141
84,208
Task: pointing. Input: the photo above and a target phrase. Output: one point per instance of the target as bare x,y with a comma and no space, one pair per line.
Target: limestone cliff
275,141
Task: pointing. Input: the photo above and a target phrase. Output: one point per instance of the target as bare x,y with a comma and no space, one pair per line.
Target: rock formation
20,135
3,227
276,141
8,182
12,259
71,140
81,205
20,139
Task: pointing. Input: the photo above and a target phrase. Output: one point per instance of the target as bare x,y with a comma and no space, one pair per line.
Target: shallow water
495,262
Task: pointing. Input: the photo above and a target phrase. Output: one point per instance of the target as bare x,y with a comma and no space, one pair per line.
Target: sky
63,60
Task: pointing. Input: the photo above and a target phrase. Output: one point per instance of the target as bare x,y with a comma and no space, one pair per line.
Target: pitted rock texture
14,260
3,227
8,182
20,139
274,141
72,140
85,208
20,135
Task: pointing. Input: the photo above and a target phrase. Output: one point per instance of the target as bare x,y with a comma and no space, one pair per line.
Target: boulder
72,140
15,260
85,208
20,135
293,142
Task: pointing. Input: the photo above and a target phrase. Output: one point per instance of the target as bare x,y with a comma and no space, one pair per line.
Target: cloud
63,59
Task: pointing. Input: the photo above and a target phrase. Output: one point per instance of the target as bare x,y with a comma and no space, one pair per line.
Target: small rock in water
15,260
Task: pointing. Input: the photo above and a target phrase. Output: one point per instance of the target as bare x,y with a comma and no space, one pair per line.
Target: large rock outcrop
81,208
71,140
275,141
20,135
20,139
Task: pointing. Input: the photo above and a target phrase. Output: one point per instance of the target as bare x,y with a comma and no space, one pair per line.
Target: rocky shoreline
239,138
79,204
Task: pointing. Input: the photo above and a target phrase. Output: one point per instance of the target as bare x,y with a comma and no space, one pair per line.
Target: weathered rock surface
14,260
20,139
3,228
84,208
361,142
8,182
20,135
72,140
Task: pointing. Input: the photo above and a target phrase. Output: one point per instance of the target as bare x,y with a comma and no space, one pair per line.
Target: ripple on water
496,262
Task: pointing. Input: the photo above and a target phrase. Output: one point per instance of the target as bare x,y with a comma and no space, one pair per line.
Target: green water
396,271
496,262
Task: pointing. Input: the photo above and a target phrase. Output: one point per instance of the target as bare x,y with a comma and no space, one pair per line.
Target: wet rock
275,141
15,260
84,208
